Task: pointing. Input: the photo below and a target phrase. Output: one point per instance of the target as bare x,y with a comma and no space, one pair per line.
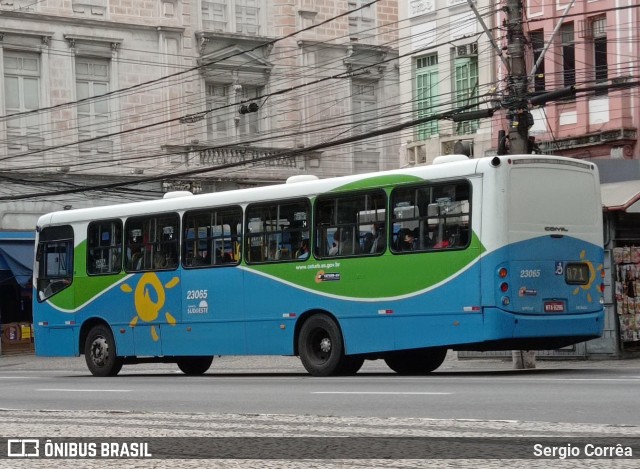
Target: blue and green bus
497,253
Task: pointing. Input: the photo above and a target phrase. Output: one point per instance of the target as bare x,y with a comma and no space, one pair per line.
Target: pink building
595,49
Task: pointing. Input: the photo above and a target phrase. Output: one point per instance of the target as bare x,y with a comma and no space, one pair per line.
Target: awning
16,257
621,196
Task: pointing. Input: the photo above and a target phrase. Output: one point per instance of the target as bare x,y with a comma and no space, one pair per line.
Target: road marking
541,378
83,390
385,393
18,377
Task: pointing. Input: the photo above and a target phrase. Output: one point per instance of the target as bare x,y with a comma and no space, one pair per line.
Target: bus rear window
549,198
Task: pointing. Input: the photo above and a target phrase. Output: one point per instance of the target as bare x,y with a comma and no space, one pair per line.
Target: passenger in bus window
346,246
367,242
378,243
405,240
136,257
334,250
303,252
159,260
443,243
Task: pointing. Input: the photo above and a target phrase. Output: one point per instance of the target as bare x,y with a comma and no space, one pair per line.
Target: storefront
16,261
621,202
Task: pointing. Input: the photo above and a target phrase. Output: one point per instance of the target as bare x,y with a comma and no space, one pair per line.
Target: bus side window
351,224
437,215
104,247
276,229
212,237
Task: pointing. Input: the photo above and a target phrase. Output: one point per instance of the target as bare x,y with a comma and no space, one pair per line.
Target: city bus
495,253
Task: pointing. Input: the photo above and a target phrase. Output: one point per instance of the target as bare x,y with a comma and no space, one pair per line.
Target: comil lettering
556,228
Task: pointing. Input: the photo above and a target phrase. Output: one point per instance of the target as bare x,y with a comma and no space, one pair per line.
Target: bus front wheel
194,366
416,362
320,346
100,352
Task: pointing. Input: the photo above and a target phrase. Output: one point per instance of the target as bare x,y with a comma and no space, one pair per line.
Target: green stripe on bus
389,275
378,181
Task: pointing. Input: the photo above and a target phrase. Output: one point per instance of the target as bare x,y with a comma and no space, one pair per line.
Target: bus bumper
542,331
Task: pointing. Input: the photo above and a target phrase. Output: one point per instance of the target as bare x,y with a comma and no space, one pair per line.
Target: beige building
188,94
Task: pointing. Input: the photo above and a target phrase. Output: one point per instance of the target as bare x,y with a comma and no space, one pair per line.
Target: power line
279,155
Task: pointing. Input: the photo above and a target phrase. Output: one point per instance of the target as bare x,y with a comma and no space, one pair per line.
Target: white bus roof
457,168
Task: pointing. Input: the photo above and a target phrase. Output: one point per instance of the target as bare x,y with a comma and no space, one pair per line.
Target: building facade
592,46
446,63
188,94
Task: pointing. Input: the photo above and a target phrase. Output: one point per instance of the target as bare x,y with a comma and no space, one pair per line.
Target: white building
446,62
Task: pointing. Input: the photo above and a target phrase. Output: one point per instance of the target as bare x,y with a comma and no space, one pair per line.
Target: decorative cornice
91,23
246,42
72,39
617,137
44,36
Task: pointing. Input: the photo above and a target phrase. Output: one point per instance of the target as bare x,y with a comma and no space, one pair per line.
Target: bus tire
416,362
350,365
194,366
320,346
100,352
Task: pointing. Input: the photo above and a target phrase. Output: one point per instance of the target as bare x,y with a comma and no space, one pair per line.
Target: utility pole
517,105
520,119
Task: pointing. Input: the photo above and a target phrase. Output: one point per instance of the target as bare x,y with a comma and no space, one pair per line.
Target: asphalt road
270,407
569,392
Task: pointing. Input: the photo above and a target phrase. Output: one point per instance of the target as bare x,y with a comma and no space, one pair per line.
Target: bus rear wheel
194,366
320,346
100,352
416,362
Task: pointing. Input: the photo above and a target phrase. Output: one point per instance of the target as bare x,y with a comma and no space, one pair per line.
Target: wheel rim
321,346
99,351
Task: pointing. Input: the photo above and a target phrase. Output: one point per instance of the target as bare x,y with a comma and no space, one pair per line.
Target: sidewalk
292,365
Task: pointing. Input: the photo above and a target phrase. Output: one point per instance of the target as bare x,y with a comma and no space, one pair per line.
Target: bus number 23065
197,294
530,273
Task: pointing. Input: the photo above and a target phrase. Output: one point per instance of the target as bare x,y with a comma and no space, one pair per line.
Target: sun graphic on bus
592,276
149,298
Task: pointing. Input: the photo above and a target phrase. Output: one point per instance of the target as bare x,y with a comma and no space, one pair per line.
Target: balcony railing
247,155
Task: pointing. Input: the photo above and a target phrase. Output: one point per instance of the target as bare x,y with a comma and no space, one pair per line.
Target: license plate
553,307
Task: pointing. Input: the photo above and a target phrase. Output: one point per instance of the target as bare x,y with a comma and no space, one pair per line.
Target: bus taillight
504,286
